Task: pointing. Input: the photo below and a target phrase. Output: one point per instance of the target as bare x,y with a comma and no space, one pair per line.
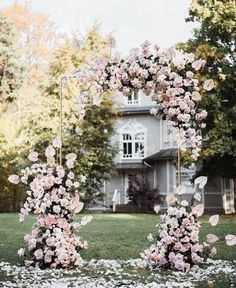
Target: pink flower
50,220
62,223
38,254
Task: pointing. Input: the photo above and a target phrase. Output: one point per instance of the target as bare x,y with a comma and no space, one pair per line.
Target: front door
127,180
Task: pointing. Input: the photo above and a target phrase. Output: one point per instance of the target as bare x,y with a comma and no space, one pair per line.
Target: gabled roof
164,154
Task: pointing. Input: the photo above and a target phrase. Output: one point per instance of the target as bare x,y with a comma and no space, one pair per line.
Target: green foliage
215,41
89,138
91,141
10,135
142,195
10,66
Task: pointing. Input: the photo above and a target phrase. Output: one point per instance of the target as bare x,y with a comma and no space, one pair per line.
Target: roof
129,110
164,154
132,166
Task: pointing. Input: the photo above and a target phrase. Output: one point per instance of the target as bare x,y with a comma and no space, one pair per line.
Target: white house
146,147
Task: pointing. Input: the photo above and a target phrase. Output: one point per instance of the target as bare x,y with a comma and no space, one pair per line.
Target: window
133,145
133,98
127,146
132,140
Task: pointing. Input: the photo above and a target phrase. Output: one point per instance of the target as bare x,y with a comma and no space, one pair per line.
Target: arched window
133,140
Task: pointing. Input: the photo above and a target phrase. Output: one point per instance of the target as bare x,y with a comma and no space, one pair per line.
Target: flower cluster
169,76
52,196
178,246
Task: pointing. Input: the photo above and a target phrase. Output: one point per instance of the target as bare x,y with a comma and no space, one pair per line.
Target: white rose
56,209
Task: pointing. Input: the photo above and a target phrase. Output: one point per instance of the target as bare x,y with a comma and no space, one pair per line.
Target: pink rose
38,254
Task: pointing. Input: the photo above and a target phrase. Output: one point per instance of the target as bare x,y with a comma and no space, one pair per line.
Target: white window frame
133,128
133,99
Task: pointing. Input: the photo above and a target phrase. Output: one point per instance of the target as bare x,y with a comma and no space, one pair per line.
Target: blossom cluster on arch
53,196
168,75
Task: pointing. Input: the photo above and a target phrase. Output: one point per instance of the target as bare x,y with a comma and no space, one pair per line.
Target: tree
36,38
10,65
142,195
10,135
215,41
89,138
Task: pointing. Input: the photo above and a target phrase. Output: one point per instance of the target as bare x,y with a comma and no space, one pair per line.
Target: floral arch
170,76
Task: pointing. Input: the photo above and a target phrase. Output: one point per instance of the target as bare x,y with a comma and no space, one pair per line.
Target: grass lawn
110,236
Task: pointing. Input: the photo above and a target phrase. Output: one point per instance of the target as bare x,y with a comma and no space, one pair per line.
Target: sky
131,21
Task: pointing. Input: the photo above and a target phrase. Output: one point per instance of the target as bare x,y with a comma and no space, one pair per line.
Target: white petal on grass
214,219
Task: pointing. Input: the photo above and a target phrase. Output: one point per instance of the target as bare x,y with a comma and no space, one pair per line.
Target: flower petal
201,181
86,219
181,189
214,219
198,210
208,85
14,179
211,238
230,239
56,142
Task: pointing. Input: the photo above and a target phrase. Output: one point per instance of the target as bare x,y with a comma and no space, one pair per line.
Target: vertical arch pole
61,116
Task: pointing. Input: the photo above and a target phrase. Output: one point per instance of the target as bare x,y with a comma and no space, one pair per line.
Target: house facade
147,147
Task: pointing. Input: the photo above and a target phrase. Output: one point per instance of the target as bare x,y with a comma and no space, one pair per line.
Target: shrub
142,195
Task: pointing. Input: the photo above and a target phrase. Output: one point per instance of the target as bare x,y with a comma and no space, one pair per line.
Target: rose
38,254
171,199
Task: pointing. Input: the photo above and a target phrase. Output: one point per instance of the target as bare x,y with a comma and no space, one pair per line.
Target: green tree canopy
10,65
215,41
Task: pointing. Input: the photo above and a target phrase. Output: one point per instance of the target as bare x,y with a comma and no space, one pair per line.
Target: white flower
171,199
157,208
21,252
56,209
71,175
184,203
71,157
76,184
150,237
83,178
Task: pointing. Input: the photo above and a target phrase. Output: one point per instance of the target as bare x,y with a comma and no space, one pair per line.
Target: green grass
110,236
